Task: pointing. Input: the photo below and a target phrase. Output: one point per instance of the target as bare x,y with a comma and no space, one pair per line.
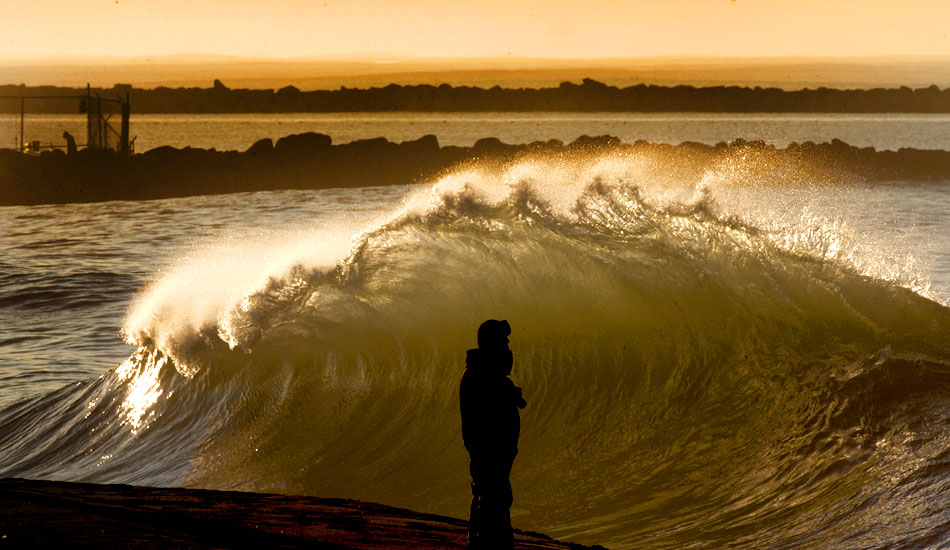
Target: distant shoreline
589,96
312,161
329,73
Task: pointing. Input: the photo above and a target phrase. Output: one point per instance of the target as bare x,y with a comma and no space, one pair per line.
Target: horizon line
391,58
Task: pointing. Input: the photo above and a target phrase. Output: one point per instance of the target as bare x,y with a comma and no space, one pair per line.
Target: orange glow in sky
488,28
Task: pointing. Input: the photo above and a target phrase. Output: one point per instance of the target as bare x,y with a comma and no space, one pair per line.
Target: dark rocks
55,514
491,146
302,144
54,154
165,153
598,142
426,145
261,147
311,161
368,146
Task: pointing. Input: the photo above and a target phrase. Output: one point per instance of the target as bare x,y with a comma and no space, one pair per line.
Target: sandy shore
51,514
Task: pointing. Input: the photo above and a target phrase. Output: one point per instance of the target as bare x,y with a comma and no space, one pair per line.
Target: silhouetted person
70,143
490,426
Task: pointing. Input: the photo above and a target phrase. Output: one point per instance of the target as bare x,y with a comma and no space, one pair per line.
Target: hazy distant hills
589,96
363,72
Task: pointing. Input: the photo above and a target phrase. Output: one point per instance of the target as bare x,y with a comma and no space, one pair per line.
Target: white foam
200,291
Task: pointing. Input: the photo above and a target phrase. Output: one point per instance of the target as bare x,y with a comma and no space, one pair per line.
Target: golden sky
484,28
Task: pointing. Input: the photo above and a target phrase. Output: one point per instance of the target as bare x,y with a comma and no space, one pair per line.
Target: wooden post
22,110
89,132
124,137
100,123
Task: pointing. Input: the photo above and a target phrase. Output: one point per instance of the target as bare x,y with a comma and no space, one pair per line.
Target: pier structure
100,133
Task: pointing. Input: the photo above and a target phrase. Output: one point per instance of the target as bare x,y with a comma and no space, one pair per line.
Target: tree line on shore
589,96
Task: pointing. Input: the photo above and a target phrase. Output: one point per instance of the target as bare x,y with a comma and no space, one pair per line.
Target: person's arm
518,396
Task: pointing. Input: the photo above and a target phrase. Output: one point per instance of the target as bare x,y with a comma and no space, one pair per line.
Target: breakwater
312,161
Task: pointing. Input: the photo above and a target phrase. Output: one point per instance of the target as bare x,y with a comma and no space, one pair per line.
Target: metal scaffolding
100,134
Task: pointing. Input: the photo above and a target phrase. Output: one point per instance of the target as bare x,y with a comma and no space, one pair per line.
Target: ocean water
709,363
239,131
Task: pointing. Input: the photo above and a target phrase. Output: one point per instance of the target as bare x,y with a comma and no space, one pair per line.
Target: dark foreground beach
53,514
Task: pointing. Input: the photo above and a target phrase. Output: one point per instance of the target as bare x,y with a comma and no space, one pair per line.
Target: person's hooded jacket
490,401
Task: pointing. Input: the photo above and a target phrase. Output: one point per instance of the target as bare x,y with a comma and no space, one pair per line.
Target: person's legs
492,506
474,526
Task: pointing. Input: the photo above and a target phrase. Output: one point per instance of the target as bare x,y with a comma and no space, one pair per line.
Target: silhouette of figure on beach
70,143
491,424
